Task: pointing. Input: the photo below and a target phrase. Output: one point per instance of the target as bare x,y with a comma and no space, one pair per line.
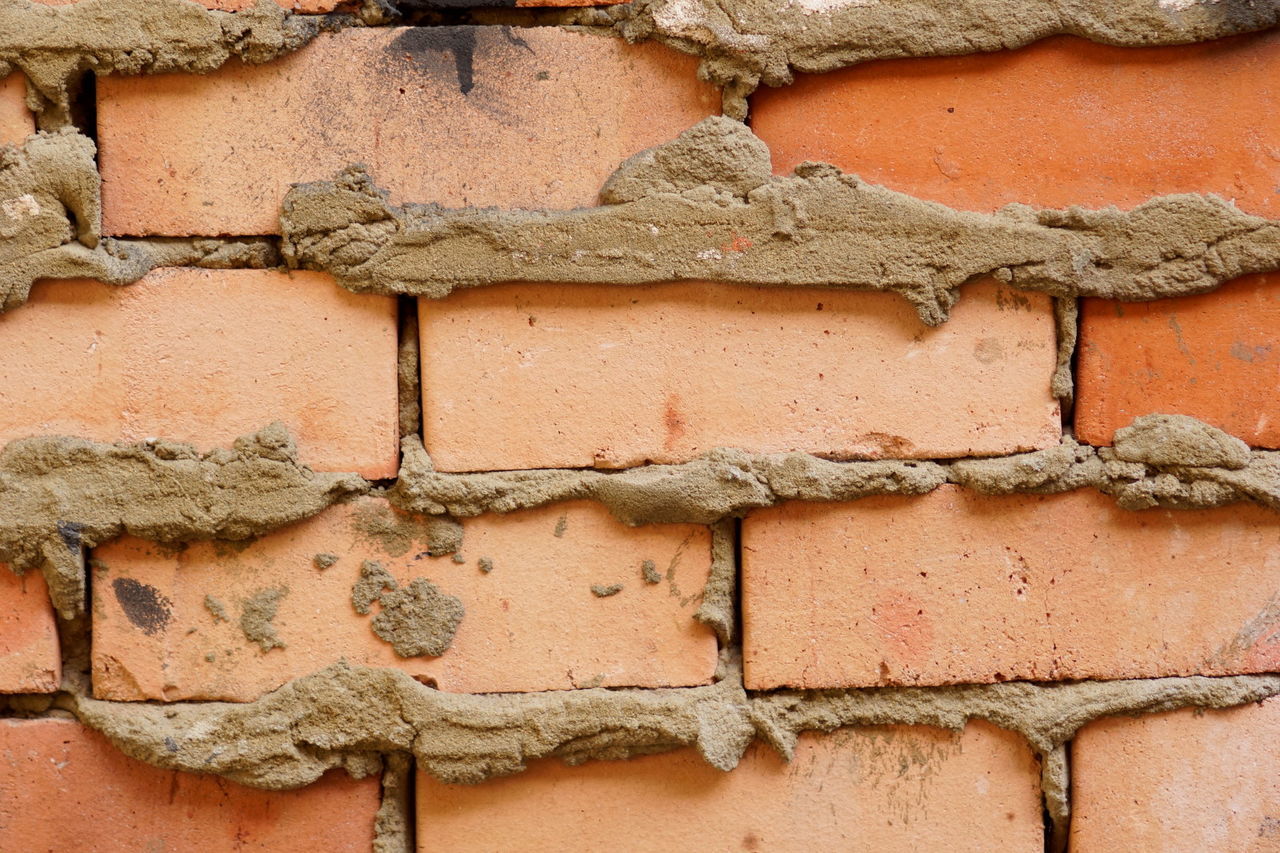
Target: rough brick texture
886,789
664,373
532,622
29,656
1178,782
130,363
64,787
955,587
430,111
1215,357
1058,123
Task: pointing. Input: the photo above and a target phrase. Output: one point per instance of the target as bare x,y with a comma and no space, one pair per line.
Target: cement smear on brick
418,621
257,617
59,495
745,43
344,716
50,223
55,45
699,208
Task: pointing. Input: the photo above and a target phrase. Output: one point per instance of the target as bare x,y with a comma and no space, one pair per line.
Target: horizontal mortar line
733,223
339,715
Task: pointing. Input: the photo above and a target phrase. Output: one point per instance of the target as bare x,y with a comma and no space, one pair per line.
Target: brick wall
454,428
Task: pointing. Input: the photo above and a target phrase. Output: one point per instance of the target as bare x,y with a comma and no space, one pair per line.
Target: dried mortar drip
745,43
699,208
418,621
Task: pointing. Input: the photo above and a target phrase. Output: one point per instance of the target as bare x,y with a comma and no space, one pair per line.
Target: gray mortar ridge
744,43
59,495
345,716
676,212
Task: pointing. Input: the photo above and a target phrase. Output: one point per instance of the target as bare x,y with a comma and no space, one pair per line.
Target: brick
62,784
1215,357
1178,782
955,587
30,660
1057,123
459,116
663,373
531,623
204,356
881,789
16,121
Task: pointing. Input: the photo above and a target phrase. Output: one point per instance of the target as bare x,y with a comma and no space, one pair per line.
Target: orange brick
16,121
30,660
204,356
620,376
882,789
531,623
65,787
1178,782
955,587
460,116
1057,123
1215,357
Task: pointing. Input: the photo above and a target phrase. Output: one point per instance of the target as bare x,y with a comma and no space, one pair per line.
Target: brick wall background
437,428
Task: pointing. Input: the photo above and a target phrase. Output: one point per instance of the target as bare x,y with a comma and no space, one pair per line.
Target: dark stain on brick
420,44
143,604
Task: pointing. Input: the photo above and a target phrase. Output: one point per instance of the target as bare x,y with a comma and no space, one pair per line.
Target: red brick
881,789
16,121
549,116
955,587
65,787
620,376
1057,123
204,356
1178,782
531,623
29,657
1215,357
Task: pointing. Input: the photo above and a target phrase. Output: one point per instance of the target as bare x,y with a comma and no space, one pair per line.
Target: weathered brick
956,587
1057,123
460,116
893,788
29,654
65,787
16,121
1215,357
532,622
204,356
1178,782
663,373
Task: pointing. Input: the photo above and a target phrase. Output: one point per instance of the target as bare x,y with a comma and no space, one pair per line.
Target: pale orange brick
460,116
204,356
29,655
663,373
531,623
16,121
1215,357
1057,123
65,787
956,587
881,789
1178,782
